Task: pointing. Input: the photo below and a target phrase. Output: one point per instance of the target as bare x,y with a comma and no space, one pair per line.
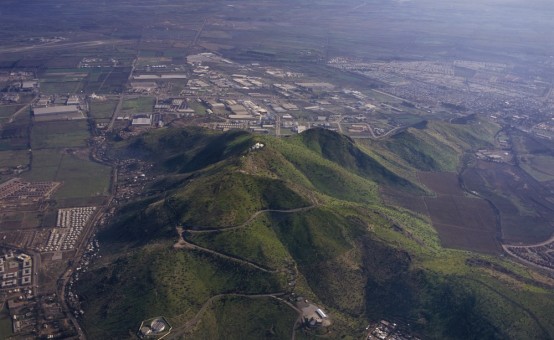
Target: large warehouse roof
52,110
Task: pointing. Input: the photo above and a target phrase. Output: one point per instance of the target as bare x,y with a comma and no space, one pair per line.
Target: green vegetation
437,146
15,135
341,150
59,134
139,105
59,155
14,158
229,199
61,87
198,107
80,177
6,111
540,167
325,176
246,318
157,279
5,323
534,155
102,109
255,242
358,259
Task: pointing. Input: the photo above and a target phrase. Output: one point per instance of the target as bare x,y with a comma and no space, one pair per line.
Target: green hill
299,217
343,151
434,146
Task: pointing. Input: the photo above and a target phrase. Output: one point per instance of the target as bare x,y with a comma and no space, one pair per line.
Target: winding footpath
199,230
184,244
180,331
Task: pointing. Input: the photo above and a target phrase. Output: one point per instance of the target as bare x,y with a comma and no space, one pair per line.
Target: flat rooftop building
141,121
242,117
29,84
59,112
72,100
53,110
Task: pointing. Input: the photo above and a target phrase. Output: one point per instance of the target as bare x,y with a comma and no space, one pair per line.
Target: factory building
62,112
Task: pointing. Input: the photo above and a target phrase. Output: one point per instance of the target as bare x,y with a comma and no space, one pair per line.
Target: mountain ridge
306,209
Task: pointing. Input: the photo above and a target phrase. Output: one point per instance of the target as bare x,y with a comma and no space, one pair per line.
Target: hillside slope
298,217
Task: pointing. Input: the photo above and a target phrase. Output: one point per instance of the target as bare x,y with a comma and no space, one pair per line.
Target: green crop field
59,134
14,158
8,110
80,176
5,323
139,105
102,109
541,167
60,87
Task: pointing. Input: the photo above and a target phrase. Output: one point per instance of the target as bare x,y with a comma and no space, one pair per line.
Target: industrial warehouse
59,112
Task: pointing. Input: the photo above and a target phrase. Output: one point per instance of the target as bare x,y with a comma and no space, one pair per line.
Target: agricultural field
15,135
461,228
524,204
138,105
14,158
541,167
5,322
102,110
197,107
411,202
80,177
448,210
18,220
442,183
106,81
6,111
535,156
60,134
60,87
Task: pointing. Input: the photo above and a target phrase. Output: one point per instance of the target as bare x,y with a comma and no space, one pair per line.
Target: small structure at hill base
312,315
155,328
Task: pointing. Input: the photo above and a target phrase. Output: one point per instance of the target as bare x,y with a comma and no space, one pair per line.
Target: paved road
24,108
60,45
195,40
533,264
121,98
550,240
64,279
